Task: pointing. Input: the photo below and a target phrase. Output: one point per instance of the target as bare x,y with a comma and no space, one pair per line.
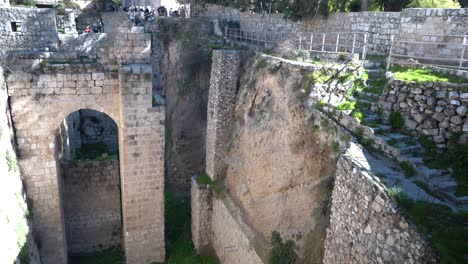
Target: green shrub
93,152
204,179
396,120
346,105
282,252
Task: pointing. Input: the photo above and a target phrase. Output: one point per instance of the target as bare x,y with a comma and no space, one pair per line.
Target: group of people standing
137,14
97,27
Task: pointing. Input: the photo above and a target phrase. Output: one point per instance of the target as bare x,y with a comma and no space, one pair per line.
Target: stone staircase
406,149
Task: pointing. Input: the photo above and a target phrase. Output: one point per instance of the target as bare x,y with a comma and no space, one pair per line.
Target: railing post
226,30
323,42
462,57
354,43
337,42
311,41
300,43
389,58
364,48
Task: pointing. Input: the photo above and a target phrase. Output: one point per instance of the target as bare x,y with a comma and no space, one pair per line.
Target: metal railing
335,42
444,51
252,37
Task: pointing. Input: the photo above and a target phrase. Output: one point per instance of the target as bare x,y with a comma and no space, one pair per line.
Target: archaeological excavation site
233,132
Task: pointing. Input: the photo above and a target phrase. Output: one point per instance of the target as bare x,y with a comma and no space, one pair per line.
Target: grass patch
407,168
358,114
428,190
445,228
423,75
204,179
96,152
346,105
179,245
455,157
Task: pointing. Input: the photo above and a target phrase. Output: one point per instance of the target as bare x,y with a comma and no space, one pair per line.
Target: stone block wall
366,225
91,203
141,146
379,26
221,103
436,110
202,209
17,236
37,29
126,98
231,237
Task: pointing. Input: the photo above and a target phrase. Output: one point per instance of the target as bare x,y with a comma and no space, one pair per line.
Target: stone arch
40,101
90,185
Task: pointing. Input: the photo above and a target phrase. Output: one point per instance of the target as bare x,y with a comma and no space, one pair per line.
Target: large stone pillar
141,141
222,97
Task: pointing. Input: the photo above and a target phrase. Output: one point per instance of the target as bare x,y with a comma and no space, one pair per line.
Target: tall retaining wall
221,103
366,225
91,203
217,220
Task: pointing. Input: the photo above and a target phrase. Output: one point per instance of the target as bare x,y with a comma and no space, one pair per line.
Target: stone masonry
91,204
221,104
436,110
36,29
40,100
366,225
380,26
202,209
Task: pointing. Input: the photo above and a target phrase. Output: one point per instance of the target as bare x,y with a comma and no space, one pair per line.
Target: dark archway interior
90,186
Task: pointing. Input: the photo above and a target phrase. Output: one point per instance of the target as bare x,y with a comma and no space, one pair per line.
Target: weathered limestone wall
232,239
91,203
37,147
202,209
141,145
219,222
221,105
17,237
38,30
366,225
126,98
434,109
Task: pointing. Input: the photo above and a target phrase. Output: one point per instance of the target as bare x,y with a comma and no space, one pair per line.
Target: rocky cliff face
185,78
280,161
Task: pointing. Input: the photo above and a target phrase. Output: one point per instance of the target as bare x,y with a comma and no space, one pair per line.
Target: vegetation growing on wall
445,228
282,252
179,245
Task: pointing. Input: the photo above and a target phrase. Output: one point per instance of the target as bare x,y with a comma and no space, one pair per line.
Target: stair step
397,137
463,200
448,186
409,149
373,64
416,160
376,73
382,128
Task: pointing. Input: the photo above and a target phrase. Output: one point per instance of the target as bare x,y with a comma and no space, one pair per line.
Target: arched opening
90,186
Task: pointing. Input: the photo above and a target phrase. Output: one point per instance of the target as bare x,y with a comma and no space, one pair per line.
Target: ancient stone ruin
223,136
